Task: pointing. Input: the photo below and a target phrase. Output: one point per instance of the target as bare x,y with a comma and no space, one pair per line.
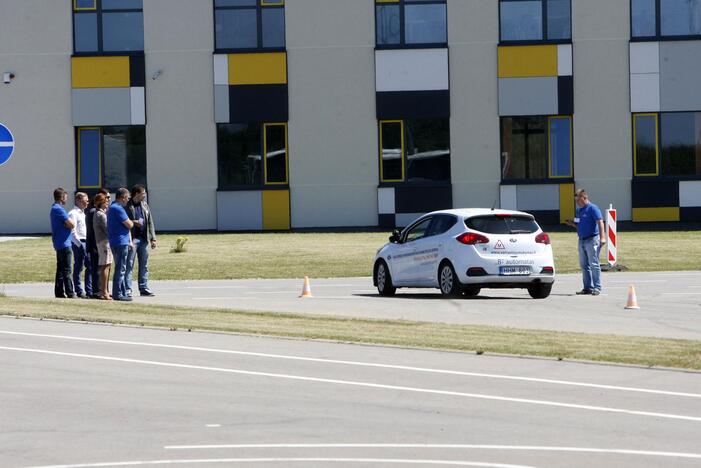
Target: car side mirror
396,235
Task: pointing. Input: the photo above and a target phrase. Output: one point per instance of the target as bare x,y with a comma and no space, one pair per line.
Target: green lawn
326,255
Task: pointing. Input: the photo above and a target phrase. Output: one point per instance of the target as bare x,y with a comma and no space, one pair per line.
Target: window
408,23
239,155
502,224
535,21
111,157
536,148
656,19
249,24
108,26
415,150
667,144
418,231
441,224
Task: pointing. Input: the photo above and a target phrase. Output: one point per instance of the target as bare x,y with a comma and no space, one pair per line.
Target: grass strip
653,352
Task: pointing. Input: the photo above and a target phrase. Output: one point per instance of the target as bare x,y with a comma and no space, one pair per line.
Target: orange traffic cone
632,302
306,289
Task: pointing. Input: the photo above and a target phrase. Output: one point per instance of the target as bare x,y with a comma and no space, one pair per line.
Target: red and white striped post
611,245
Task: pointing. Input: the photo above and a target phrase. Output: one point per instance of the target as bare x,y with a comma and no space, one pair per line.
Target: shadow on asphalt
438,296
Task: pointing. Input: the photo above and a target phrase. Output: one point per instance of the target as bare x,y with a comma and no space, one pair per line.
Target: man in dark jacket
144,236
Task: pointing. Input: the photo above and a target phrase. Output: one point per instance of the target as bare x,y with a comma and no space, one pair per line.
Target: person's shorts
104,253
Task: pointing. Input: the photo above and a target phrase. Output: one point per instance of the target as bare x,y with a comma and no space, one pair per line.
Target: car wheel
540,290
448,280
384,280
471,291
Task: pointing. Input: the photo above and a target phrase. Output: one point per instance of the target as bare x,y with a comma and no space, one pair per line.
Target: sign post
7,144
611,244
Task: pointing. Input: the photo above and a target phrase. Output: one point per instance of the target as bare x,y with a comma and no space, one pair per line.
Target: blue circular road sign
7,144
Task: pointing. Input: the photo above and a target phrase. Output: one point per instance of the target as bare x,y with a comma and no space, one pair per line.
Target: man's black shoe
583,292
147,292
595,292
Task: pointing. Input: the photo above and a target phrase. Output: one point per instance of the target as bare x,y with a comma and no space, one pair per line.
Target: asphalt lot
97,395
670,302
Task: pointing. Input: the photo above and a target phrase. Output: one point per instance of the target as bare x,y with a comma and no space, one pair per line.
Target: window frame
98,11
259,7
402,25
656,115
544,13
658,28
401,154
550,148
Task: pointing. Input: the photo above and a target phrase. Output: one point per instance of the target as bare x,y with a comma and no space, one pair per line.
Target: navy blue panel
422,199
690,214
655,193
89,158
137,71
387,221
546,217
258,103
413,104
565,95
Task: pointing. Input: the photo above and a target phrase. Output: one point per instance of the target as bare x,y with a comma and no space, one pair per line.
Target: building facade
283,114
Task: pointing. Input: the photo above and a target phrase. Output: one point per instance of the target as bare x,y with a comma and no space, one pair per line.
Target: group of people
94,235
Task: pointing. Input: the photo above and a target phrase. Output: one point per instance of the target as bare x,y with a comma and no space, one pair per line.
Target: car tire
540,290
471,291
383,279
448,281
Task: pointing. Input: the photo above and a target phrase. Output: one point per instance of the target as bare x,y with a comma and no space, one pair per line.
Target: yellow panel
276,210
655,214
566,202
100,72
527,61
254,69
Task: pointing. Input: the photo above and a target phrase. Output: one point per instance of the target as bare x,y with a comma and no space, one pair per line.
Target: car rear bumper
497,281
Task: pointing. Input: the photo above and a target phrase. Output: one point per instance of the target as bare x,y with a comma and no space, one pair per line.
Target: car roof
471,212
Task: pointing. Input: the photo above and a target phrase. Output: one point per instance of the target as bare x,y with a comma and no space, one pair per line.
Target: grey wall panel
221,103
538,197
101,106
680,75
239,211
528,96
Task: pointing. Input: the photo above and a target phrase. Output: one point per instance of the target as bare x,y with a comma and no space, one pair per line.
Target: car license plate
519,270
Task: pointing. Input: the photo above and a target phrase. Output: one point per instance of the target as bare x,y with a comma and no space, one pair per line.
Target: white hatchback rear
464,250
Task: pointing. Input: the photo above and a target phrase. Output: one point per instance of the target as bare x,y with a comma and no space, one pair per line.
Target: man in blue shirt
119,233
592,236
61,227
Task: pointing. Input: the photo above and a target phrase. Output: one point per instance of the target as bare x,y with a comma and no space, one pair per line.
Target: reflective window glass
85,32
236,29
89,158
122,32
643,18
560,147
275,154
124,156
645,144
680,17
523,143
427,149
388,24
79,4
122,4
425,24
392,151
521,20
223,3
559,19
239,155
502,225
273,27
419,231
680,143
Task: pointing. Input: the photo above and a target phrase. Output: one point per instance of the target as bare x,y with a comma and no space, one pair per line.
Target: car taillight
476,271
547,271
542,238
471,238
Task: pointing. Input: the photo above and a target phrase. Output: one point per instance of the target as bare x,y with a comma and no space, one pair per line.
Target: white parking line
682,294
361,364
429,391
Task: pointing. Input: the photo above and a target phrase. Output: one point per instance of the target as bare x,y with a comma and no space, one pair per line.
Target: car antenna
494,204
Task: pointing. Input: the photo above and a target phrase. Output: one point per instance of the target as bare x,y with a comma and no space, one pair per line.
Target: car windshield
500,224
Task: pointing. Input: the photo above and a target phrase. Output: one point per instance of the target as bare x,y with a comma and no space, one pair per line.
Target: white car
462,251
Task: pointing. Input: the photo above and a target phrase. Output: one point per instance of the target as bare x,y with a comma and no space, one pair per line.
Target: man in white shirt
81,258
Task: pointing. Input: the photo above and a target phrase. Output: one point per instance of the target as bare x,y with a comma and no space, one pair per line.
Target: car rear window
492,224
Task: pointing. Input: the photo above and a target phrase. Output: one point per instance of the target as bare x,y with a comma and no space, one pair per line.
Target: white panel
508,197
221,69
405,219
645,92
690,193
138,106
240,211
644,57
538,197
564,60
411,70
385,200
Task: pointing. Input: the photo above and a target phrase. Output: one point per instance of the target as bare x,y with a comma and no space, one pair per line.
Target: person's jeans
589,262
120,253
140,253
81,259
63,284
